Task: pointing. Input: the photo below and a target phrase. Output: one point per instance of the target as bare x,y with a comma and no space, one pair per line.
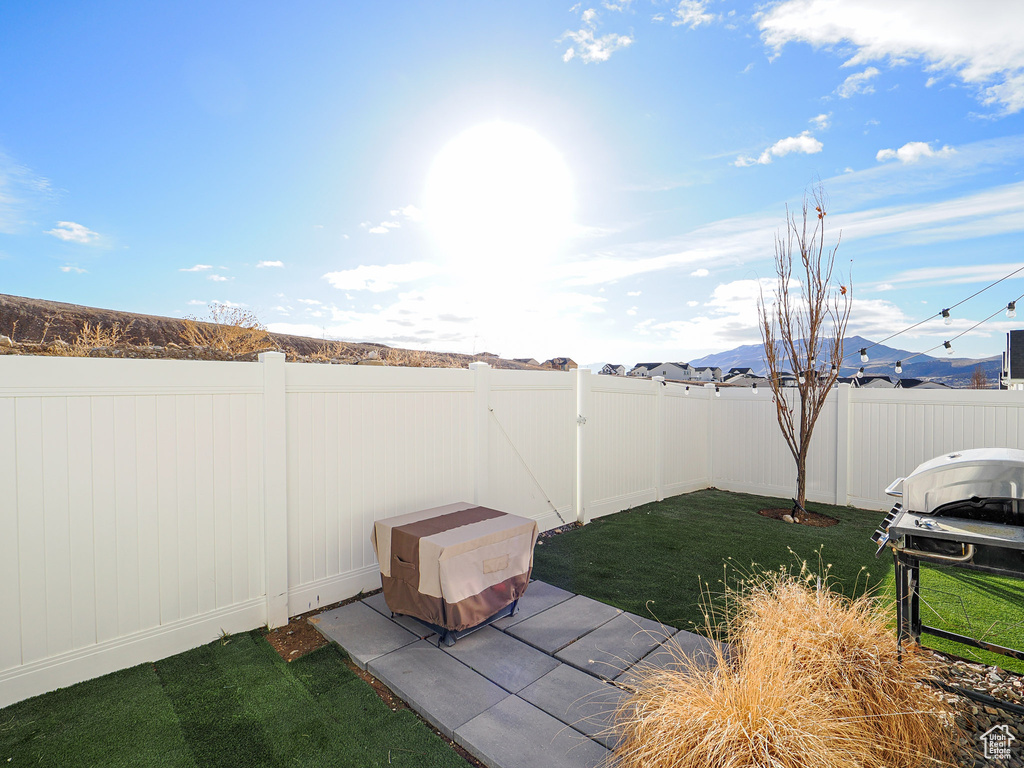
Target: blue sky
601,180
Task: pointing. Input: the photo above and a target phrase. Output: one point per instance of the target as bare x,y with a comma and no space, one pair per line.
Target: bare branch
803,328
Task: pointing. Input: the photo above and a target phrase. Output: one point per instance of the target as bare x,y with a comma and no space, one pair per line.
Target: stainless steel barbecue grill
964,509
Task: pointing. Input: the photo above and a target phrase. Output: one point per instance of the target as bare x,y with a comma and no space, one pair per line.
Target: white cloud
197,303
197,268
979,44
858,82
384,227
731,318
69,268
691,13
805,144
21,193
71,232
821,122
631,311
621,5
913,151
741,240
588,46
218,278
411,212
700,273
311,302
270,264
632,293
692,303
951,275
377,278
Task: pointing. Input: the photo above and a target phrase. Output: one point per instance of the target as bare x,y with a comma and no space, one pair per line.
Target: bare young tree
802,329
979,379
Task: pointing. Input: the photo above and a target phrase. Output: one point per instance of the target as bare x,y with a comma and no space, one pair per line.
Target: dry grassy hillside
37,326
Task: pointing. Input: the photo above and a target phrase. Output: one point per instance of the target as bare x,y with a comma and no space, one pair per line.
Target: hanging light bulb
686,391
718,392
899,366
833,371
800,377
863,354
1011,309
946,318
949,347
754,387
859,373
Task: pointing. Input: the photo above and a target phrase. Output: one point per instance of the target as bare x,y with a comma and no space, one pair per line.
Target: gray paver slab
539,596
516,734
362,632
678,652
379,604
444,691
503,659
614,647
579,700
554,628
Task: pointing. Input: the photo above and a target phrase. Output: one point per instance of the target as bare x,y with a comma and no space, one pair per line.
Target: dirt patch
813,519
294,640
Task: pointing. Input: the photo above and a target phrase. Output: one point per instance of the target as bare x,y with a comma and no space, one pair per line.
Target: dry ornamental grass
817,681
229,329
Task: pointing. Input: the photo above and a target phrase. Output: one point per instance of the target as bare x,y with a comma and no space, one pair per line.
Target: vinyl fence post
583,379
842,444
481,427
659,438
709,390
275,488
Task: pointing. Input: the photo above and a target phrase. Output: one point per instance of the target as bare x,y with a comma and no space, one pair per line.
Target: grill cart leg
908,601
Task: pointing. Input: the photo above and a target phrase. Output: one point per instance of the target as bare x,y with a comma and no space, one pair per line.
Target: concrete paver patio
530,690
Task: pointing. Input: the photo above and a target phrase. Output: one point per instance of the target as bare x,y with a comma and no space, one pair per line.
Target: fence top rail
42,376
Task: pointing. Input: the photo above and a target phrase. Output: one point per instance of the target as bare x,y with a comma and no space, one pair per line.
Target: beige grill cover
454,566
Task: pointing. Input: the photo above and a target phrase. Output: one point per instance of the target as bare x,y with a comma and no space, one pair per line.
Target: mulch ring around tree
813,519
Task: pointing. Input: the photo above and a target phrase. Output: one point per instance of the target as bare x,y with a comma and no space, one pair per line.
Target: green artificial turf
231,703
655,560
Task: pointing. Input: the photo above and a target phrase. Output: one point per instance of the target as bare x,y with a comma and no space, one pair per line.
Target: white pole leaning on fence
275,488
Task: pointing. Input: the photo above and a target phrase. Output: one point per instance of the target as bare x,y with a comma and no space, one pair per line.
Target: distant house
610,369
485,354
643,369
560,364
874,382
525,360
707,373
919,384
673,371
738,373
748,381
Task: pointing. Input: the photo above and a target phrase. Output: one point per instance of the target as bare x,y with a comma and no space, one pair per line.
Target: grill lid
979,474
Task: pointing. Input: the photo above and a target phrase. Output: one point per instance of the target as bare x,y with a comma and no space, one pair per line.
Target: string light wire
947,309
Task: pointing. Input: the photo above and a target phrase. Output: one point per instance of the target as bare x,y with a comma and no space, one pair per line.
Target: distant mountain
953,371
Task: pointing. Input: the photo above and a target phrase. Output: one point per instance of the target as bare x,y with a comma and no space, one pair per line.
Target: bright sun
499,201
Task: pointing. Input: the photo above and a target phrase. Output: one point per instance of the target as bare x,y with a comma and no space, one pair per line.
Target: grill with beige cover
455,567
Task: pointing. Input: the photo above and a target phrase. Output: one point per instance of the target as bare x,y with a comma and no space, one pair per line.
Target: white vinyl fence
148,505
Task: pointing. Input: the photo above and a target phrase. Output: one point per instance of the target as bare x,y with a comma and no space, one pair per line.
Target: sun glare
499,201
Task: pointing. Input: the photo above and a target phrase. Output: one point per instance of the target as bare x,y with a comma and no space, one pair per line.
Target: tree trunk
801,485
